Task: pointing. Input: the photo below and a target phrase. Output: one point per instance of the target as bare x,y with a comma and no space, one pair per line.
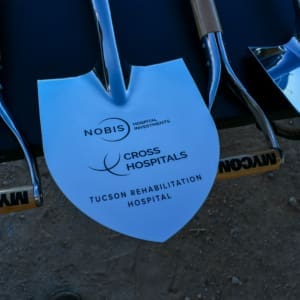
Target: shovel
210,33
21,197
139,158
282,63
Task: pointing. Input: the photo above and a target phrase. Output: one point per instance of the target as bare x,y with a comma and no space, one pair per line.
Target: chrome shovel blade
282,64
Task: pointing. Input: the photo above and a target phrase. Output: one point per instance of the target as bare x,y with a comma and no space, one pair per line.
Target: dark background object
57,38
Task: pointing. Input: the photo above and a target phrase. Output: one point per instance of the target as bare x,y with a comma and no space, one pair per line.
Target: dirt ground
244,243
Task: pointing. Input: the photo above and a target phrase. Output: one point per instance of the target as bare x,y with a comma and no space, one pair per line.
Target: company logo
110,130
137,160
247,162
110,167
14,199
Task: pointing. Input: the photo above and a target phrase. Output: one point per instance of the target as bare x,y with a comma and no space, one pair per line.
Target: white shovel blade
143,168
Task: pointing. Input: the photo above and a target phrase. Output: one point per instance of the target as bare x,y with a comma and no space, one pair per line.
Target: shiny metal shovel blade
143,168
282,64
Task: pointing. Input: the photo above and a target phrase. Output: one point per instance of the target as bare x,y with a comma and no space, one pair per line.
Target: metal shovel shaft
214,62
117,87
208,24
23,197
244,95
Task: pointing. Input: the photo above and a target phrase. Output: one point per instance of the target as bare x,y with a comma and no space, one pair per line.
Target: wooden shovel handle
249,164
206,17
18,199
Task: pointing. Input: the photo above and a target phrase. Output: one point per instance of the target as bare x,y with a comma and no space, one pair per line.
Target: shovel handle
206,17
18,199
249,164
